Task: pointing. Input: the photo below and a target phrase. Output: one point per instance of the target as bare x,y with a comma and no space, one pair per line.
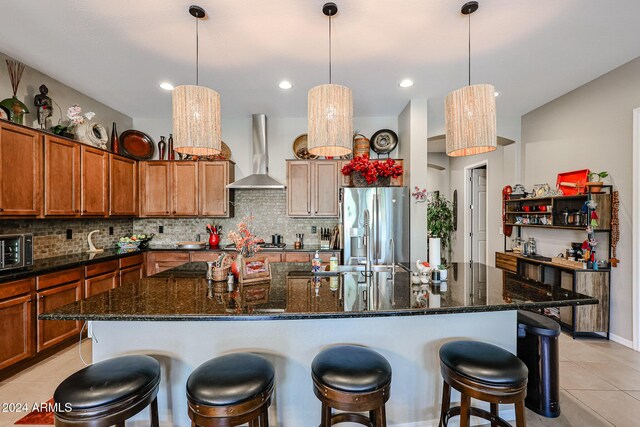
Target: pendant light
196,112
470,112
330,110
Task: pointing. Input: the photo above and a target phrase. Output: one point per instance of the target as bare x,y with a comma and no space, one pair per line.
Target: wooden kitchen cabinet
215,198
61,177
312,188
131,275
101,277
94,181
160,261
123,186
16,322
155,188
20,171
55,290
184,188
344,180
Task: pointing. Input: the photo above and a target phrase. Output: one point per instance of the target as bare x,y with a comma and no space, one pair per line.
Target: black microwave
16,251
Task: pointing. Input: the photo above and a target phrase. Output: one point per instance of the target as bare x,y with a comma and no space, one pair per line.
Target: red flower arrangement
371,169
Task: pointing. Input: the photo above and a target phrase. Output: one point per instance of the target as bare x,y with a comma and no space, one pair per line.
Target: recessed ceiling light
166,86
406,83
497,94
285,85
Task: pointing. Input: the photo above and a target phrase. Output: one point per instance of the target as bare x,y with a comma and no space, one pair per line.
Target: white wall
439,180
412,131
63,95
590,127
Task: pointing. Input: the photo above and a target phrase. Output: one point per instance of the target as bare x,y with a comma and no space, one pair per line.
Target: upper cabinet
94,184
20,171
61,177
185,188
215,198
312,188
123,186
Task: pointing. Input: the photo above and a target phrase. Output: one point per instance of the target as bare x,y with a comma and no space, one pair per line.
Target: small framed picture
254,269
4,113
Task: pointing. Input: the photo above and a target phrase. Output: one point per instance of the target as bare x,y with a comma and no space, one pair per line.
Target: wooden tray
137,144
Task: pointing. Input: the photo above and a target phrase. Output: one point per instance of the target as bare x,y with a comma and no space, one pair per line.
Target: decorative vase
214,240
170,154
360,181
17,109
91,133
162,147
235,265
115,141
435,244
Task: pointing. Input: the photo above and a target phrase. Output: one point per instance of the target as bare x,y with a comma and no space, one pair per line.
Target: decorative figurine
44,105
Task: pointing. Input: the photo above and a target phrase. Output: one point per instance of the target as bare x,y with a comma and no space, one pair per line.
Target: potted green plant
595,181
440,222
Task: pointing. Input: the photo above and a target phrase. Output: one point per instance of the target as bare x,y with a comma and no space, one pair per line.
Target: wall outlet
110,231
69,234
161,229
314,229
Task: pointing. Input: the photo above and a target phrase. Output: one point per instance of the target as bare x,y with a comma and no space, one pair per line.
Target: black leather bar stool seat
231,390
485,372
353,379
109,392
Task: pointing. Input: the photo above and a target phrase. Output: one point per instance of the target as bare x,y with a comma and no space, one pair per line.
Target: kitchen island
183,320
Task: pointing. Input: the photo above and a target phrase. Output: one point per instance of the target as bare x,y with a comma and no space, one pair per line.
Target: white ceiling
118,51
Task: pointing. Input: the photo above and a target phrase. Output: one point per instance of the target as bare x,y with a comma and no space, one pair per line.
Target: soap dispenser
316,263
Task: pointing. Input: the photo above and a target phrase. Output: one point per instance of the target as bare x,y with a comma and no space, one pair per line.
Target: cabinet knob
1,209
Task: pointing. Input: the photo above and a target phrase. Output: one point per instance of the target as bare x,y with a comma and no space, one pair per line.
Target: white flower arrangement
74,113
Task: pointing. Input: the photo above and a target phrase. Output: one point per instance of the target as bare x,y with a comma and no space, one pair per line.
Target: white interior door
479,215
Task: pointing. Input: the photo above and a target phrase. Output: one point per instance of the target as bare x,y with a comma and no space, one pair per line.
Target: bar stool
485,372
108,393
353,379
231,390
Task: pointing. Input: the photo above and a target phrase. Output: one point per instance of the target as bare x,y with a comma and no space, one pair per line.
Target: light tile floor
599,381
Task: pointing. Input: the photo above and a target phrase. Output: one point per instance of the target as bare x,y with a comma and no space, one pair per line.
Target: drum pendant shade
196,121
470,118
330,115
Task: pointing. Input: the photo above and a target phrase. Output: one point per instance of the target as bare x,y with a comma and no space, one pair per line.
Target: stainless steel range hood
260,178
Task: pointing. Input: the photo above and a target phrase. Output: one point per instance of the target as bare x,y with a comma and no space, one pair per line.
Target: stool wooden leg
255,422
521,420
326,416
153,409
264,417
494,412
120,424
446,402
381,417
465,410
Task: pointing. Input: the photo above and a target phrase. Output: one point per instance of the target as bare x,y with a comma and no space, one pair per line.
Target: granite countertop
288,248
50,265
183,293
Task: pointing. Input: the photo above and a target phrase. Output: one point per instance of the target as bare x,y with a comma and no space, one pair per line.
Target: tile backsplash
268,207
50,236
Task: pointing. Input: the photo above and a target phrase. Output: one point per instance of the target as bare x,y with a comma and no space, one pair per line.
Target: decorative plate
384,141
300,148
137,144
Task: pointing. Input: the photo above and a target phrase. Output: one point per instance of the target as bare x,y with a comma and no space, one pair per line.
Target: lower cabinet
158,262
55,290
16,322
131,275
101,277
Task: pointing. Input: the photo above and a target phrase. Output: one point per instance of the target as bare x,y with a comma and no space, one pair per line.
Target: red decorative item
370,170
506,195
571,183
214,240
235,269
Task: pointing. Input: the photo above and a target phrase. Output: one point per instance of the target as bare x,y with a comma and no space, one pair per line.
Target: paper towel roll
434,252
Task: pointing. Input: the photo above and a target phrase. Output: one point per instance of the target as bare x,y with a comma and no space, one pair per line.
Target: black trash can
538,349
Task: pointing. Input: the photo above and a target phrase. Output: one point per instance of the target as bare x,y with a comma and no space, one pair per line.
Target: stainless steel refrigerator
389,222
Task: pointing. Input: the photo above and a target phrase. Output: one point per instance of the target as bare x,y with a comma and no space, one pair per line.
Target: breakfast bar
183,320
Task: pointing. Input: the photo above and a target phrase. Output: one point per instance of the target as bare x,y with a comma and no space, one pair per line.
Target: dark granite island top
183,294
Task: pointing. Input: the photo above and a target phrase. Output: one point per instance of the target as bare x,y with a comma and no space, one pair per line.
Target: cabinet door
94,181
130,275
99,284
123,186
20,171
52,332
185,188
214,196
325,188
61,177
345,180
298,295
156,188
299,188
16,330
